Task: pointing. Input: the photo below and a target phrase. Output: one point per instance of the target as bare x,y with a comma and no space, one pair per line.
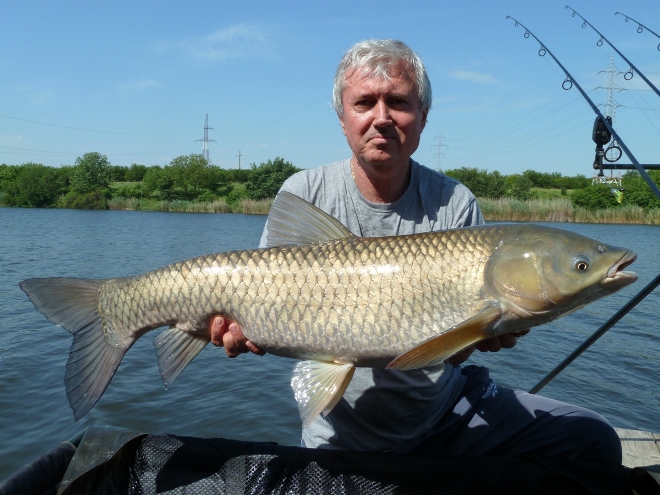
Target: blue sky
135,80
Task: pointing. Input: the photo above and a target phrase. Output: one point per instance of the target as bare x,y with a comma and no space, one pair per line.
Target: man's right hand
227,334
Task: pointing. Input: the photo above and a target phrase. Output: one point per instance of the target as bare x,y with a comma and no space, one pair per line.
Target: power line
97,131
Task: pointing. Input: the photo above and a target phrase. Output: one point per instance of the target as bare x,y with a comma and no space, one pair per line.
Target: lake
249,398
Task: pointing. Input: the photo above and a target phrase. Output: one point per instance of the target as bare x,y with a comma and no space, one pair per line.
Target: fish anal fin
437,349
175,349
292,221
318,386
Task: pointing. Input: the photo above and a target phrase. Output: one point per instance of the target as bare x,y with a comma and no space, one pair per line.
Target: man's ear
425,114
341,122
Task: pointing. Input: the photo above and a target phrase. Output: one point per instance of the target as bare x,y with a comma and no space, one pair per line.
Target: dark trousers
491,420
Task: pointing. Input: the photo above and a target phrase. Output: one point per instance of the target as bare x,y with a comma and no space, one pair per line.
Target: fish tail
72,304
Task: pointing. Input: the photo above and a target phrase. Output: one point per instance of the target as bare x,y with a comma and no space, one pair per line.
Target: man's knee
595,439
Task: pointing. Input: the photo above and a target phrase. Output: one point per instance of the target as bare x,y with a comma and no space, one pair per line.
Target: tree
92,171
636,191
482,183
522,188
34,185
596,197
190,174
135,173
156,180
266,179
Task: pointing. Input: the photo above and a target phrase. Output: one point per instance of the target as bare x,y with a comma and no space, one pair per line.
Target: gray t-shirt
385,409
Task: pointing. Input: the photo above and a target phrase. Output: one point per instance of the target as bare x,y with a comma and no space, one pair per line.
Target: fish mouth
617,272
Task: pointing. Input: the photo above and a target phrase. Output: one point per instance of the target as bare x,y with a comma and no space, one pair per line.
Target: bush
134,191
93,200
595,197
206,197
265,180
33,185
482,183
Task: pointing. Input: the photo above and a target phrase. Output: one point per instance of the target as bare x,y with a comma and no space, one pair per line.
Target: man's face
382,119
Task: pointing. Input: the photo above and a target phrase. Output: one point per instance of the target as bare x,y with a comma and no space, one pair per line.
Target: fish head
543,273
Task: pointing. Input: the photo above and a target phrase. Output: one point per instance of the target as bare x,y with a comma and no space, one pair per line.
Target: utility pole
239,159
440,140
205,140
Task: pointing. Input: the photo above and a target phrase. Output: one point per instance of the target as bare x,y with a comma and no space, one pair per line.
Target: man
382,96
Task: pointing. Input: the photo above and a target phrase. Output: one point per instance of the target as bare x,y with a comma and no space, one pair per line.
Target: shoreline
494,210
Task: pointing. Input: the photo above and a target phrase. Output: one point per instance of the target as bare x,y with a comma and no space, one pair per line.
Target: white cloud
8,140
473,76
36,96
139,85
237,41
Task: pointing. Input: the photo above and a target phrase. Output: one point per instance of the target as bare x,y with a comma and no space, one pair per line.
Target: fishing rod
568,83
628,75
640,27
597,334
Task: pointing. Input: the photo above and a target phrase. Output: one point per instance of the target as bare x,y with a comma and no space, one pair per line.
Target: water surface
249,398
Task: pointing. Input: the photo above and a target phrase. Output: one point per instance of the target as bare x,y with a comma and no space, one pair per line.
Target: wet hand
494,344
227,334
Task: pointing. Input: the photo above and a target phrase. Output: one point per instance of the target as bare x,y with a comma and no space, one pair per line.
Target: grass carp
320,294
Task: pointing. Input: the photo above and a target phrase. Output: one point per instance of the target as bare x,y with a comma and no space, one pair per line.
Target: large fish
336,300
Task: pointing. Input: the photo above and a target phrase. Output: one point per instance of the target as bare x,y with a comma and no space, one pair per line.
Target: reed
248,206
548,209
562,210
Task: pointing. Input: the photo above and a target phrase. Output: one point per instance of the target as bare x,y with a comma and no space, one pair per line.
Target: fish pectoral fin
175,349
437,349
318,386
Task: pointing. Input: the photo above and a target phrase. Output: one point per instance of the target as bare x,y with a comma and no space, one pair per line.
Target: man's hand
493,344
227,334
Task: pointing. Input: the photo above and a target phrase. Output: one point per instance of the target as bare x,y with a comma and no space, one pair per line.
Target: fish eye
581,265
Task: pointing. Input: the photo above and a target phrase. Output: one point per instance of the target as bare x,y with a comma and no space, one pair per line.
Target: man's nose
382,115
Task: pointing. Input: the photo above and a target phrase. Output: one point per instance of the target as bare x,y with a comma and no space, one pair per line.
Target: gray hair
376,58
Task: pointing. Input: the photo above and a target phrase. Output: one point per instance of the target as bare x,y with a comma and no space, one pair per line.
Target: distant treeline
191,183
93,183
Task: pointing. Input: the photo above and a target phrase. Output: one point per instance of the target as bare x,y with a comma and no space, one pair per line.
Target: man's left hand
494,344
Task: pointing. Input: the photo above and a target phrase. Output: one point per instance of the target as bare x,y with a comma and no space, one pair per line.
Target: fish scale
321,294
404,297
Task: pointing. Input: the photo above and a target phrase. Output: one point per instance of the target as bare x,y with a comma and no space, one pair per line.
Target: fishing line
628,75
640,27
568,83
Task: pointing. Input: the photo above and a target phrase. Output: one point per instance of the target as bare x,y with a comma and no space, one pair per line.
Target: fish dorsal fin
437,349
292,221
318,386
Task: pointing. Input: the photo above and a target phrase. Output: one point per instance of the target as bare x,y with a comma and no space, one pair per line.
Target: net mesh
167,464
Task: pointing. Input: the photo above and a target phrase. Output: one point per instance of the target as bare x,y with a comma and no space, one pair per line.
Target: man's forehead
366,80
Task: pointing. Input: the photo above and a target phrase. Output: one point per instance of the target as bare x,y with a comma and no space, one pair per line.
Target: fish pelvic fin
175,349
318,386
72,303
436,349
292,221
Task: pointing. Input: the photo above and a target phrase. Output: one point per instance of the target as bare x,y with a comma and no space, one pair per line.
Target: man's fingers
253,348
228,334
217,330
508,340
